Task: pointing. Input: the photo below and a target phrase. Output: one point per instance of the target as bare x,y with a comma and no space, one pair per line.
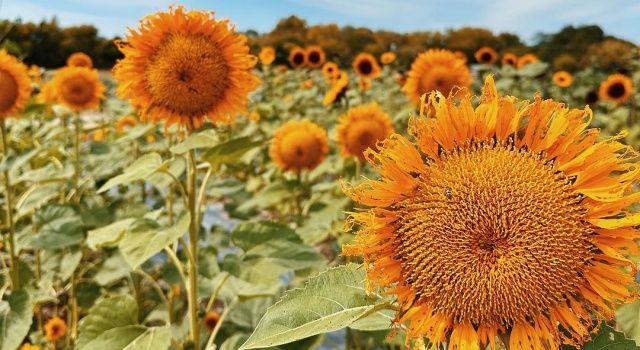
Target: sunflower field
199,195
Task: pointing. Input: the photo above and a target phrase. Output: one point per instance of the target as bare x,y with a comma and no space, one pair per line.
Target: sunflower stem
78,170
14,269
73,300
193,249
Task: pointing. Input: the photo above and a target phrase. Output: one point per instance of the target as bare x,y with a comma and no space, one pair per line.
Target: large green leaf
287,254
610,339
60,227
249,234
138,170
111,313
156,338
203,139
115,339
108,235
628,319
330,301
144,241
15,319
229,152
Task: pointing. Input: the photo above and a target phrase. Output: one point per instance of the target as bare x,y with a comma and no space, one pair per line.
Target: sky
523,17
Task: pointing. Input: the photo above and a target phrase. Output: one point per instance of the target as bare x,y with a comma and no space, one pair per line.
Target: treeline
48,45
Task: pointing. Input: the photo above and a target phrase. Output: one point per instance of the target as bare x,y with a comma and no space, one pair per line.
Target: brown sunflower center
486,57
591,97
299,149
616,90
314,57
363,134
365,67
188,75
77,90
298,58
493,235
8,91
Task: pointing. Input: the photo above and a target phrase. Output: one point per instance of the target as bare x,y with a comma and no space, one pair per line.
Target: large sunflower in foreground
78,88
299,145
361,128
616,88
366,65
15,85
184,67
436,70
510,218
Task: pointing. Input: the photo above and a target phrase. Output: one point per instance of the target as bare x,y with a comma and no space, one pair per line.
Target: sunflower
526,59
99,135
434,70
55,329
15,85
211,320
47,93
510,218
461,55
387,57
338,88
330,70
299,145
509,59
361,128
307,84
29,346
125,122
183,67
616,88
486,55
267,55
35,73
315,56
254,116
79,59
365,65
562,78
79,88
151,138
591,98
364,84
297,57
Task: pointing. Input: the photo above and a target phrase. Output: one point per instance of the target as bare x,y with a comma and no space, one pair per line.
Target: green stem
192,176
216,329
13,271
78,169
73,300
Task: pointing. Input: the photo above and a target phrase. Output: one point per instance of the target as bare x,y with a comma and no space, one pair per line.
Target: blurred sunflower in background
562,78
315,56
299,145
79,59
388,57
297,57
461,55
591,98
47,93
509,59
330,70
361,128
527,59
15,85
364,84
185,67
436,70
78,88
55,329
337,89
365,65
616,88
267,55
486,55
211,319
524,208
125,122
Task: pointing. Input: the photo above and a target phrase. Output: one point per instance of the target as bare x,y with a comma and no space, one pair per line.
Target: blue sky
523,17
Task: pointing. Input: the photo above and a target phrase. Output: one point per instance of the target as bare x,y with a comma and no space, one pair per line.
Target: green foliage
15,319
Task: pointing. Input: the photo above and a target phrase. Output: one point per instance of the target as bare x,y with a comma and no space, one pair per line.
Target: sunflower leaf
138,170
330,301
15,319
